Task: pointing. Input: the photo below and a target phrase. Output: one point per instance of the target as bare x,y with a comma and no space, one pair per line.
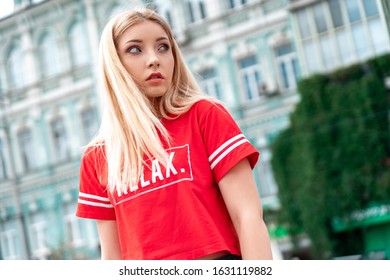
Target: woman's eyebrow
133,41
140,41
161,38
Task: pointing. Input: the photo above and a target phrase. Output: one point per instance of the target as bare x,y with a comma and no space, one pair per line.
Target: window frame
197,10
26,152
15,67
288,82
78,44
49,56
250,84
210,82
60,156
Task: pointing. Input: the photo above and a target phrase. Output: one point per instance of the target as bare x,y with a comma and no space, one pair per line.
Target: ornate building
248,53
332,34
49,110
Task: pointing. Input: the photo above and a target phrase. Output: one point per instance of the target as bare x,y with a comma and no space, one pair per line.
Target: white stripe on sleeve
86,195
224,145
227,150
97,204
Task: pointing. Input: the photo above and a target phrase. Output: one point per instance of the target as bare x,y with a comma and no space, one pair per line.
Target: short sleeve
93,201
225,143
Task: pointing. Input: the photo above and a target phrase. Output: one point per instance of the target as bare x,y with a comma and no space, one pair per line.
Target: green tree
332,158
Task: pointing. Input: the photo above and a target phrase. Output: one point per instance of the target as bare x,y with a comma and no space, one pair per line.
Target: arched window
90,124
15,67
49,56
250,77
60,139
26,149
79,45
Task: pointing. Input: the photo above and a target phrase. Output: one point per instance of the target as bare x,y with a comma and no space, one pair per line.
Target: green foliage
331,160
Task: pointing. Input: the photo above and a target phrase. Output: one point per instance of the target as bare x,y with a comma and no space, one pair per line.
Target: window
89,122
362,47
287,62
9,240
353,10
165,9
79,44
210,83
72,225
344,32
250,77
370,8
328,52
26,149
303,23
60,139
236,3
312,61
49,57
345,47
267,186
15,66
3,167
335,11
319,17
196,9
376,30
38,236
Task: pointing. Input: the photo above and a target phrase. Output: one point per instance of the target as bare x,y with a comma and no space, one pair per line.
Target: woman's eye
164,48
134,49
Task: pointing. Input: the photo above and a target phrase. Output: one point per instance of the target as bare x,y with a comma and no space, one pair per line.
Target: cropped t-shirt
177,211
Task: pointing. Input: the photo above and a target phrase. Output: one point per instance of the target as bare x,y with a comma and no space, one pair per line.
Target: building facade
248,53
49,110
50,107
332,34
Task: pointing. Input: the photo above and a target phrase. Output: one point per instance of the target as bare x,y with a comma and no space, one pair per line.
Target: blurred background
307,80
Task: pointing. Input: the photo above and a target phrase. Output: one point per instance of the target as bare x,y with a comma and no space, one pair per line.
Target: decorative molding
242,50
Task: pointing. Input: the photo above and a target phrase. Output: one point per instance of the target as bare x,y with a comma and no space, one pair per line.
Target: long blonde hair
131,127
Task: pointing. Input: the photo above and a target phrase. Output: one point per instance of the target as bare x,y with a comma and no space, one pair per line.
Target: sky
6,7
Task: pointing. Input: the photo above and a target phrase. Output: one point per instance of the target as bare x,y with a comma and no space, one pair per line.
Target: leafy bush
332,159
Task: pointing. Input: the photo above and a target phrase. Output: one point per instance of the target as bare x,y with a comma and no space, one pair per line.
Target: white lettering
133,188
143,182
170,166
156,171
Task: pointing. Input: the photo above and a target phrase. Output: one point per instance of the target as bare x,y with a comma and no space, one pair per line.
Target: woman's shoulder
94,150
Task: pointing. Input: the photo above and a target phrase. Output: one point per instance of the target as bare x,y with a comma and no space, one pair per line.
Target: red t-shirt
177,211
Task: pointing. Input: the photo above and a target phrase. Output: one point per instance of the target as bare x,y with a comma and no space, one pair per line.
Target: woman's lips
155,76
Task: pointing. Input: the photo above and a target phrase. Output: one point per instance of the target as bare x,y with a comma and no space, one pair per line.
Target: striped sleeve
225,143
93,201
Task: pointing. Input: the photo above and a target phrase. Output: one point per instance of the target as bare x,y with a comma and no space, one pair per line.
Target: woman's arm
239,191
109,241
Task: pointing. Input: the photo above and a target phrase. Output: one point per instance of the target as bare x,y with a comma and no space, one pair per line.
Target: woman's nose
153,61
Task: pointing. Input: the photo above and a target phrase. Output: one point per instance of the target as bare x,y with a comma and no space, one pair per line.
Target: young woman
169,175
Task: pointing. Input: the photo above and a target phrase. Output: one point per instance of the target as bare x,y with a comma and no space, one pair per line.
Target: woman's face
145,51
